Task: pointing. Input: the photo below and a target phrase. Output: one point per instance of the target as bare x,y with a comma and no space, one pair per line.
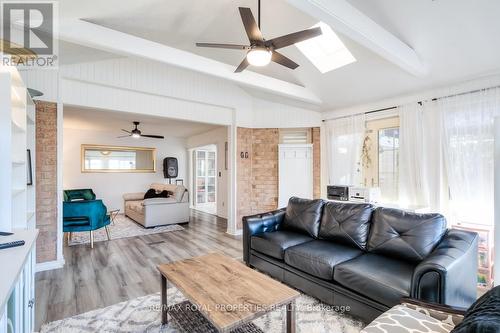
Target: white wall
111,186
217,137
267,114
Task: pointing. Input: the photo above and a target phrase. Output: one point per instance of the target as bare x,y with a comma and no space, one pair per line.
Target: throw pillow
87,195
483,316
164,194
151,193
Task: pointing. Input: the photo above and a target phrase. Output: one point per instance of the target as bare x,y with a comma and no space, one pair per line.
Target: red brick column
264,169
46,181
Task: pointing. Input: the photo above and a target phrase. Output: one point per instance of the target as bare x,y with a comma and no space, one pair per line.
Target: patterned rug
142,315
122,228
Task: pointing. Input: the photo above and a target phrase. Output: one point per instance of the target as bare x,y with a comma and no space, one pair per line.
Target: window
295,136
380,157
326,52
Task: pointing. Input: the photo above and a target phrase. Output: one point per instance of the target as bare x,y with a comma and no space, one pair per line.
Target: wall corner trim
49,265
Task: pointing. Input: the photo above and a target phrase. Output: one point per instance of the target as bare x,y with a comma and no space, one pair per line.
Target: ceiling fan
261,52
136,133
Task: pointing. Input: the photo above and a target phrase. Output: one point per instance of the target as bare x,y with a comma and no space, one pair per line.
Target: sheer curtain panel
344,139
468,127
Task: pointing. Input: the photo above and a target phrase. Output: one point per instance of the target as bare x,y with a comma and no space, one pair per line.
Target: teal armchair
82,212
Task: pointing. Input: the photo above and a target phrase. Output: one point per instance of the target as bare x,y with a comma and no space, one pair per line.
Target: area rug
143,315
122,228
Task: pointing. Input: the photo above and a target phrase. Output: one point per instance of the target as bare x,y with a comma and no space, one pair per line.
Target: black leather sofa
361,257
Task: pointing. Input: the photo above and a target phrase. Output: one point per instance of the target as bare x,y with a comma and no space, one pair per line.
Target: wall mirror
96,158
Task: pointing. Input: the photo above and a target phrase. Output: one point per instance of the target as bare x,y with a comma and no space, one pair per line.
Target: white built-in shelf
18,128
16,100
17,191
29,216
18,163
30,120
18,104
13,261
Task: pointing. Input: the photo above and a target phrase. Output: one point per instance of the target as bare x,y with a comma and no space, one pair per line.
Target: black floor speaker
170,167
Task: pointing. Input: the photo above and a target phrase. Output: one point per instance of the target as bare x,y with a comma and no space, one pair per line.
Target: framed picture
484,278
29,170
483,256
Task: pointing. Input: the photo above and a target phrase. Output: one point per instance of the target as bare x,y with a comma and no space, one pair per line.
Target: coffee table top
227,292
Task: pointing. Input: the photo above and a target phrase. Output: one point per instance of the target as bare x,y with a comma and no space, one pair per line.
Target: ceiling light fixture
136,135
259,56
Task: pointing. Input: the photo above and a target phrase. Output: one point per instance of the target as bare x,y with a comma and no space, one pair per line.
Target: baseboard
49,265
238,232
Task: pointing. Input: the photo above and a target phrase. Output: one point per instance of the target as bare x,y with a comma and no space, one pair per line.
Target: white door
295,172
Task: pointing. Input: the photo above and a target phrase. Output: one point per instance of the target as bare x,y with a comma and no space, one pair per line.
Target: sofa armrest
449,274
133,196
434,306
256,224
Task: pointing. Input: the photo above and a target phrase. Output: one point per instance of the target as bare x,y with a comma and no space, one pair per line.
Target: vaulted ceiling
455,39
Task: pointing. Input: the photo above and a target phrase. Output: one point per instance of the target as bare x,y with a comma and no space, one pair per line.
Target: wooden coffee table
225,291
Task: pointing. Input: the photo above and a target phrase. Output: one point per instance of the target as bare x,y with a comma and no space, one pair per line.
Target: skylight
326,52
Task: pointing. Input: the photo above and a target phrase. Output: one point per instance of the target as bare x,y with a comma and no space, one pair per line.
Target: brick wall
257,182
264,169
316,162
46,181
244,173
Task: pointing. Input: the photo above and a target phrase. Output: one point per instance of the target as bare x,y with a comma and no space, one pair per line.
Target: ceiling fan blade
244,64
251,27
126,131
284,61
123,136
287,40
153,136
224,46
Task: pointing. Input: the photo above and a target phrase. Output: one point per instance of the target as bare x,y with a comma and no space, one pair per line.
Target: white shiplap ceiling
455,39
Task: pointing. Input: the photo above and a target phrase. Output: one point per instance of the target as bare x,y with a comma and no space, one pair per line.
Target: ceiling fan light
259,57
136,135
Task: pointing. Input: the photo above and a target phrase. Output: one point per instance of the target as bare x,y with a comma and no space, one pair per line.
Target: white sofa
158,211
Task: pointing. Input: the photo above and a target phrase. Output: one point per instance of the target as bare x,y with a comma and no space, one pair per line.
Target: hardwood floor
123,269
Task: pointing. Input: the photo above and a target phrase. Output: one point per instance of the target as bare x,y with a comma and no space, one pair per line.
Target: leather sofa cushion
275,243
405,235
319,258
382,279
346,223
303,215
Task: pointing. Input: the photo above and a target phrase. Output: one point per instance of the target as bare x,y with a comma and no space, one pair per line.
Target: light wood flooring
124,269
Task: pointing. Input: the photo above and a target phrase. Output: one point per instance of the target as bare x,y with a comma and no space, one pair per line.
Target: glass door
205,177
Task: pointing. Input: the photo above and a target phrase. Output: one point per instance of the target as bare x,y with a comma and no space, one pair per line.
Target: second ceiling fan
261,52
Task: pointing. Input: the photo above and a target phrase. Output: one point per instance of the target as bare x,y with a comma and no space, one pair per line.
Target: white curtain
468,125
412,153
422,176
344,143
